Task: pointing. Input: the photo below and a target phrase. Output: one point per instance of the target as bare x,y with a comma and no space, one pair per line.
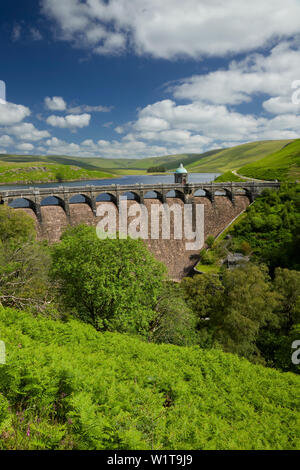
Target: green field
67,386
281,165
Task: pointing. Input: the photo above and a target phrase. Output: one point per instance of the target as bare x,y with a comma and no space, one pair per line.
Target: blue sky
137,78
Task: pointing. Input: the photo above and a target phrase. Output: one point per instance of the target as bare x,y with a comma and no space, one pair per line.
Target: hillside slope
39,171
235,157
76,388
281,165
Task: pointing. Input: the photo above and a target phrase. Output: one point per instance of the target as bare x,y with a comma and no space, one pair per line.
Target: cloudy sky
136,78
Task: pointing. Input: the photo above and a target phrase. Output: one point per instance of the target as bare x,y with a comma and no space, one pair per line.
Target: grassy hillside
170,162
228,176
281,165
67,386
235,157
40,171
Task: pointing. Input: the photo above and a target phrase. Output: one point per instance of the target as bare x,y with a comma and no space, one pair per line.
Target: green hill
281,165
67,386
39,171
235,157
217,160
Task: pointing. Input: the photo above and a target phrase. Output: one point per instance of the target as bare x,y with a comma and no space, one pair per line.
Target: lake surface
127,179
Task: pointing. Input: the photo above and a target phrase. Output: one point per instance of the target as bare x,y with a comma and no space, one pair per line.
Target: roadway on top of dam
121,189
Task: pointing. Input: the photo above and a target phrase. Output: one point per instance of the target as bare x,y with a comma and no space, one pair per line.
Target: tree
175,322
24,262
113,283
275,342
203,293
24,275
247,305
287,285
232,310
15,225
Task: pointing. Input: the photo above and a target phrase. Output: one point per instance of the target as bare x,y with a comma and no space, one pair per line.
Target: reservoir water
128,179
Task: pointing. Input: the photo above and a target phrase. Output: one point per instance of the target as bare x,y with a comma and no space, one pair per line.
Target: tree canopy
112,283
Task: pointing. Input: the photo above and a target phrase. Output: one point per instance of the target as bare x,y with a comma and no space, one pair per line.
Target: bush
208,257
15,225
210,241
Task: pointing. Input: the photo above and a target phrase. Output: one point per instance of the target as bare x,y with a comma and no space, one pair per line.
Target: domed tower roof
181,169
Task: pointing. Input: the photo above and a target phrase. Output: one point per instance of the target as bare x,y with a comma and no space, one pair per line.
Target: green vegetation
235,157
113,284
156,169
67,386
37,172
104,352
283,165
268,230
208,268
228,176
272,228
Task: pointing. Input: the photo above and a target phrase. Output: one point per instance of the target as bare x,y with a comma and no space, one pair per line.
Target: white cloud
211,121
26,147
151,123
56,103
27,131
71,121
2,151
104,148
60,147
281,105
5,140
258,74
119,130
171,28
11,113
89,109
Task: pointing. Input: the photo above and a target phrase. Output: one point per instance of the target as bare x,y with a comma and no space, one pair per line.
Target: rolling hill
235,157
281,165
39,171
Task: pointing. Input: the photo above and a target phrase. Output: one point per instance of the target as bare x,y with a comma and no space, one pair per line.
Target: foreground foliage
67,386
